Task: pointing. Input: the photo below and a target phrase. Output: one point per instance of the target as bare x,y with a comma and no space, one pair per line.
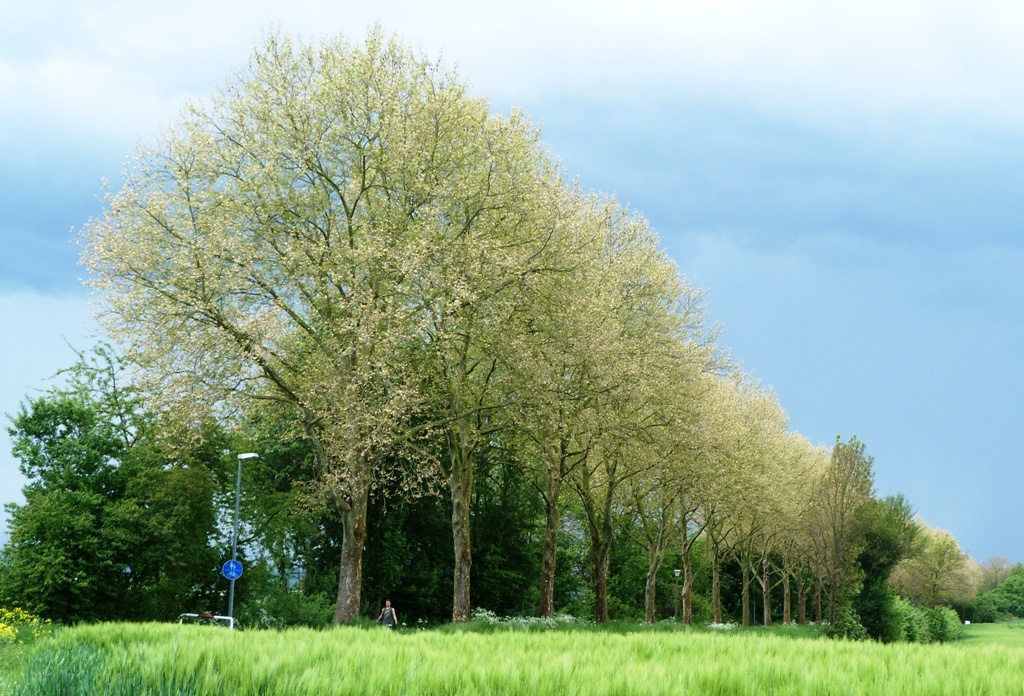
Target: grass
12,664
18,631
1009,634
174,660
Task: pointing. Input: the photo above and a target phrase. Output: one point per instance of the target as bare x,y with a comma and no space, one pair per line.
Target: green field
1010,634
171,659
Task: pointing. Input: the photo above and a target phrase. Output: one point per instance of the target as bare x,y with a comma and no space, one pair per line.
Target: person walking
388,617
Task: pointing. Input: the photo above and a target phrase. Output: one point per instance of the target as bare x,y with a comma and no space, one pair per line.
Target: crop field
174,660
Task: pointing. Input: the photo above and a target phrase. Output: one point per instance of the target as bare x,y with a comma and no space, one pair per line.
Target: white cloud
113,65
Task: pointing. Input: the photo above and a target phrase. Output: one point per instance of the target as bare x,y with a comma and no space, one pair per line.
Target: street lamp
235,567
677,572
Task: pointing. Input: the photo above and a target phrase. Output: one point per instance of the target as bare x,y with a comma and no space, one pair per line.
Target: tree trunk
600,558
350,575
832,602
746,592
787,600
546,607
600,527
817,601
687,586
766,592
553,515
654,557
801,599
716,588
461,489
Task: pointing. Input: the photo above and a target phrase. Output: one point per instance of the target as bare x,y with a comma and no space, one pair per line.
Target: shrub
285,608
985,609
876,606
915,626
945,624
703,611
486,621
17,625
847,625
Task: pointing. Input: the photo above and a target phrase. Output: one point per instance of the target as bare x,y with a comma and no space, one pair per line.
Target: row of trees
119,524
345,234
348,262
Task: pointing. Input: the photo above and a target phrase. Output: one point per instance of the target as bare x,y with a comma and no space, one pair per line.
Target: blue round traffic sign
232,570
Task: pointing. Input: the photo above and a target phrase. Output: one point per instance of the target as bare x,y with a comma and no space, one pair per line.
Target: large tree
939,573
840,518
655,327
891,537
294,237
497,229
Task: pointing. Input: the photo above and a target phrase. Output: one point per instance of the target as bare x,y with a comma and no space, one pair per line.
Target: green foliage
1001,603
945,624
627,578
847,625
876,606
938,574
19,626
985,608
116,524
280,607
19,632
573,594
844,506
703,612
915,624
408,557
506,526
890,537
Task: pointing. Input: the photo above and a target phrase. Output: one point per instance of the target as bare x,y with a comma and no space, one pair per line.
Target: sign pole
234,537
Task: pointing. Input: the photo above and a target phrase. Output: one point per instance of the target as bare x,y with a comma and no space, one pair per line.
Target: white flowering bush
486,617
728,626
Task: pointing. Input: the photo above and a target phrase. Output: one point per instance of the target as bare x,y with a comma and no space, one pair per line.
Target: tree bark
654,558
350,575
766,591
746,591
687,585
600,560
716,588
817,601
801,599
461,479
787,601
600,527
552,527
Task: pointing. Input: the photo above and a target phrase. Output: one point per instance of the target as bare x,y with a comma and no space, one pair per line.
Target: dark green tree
1003,602
115,524
891,536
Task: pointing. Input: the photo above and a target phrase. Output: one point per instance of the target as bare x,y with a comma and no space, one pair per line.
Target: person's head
387,602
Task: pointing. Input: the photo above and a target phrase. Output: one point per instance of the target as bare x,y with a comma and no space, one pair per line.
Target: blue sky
844,179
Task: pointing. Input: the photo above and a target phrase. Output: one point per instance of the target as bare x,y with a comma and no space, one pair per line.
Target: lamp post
234,536
677,572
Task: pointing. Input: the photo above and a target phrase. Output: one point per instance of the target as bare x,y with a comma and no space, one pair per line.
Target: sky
843,179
